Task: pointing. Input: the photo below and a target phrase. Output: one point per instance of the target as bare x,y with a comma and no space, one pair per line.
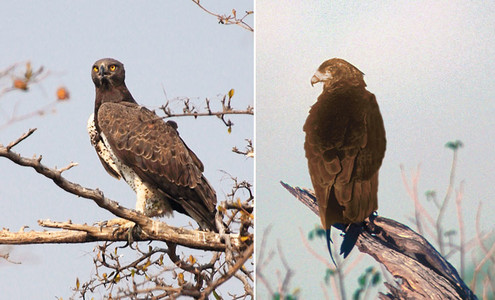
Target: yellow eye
113,67
95,69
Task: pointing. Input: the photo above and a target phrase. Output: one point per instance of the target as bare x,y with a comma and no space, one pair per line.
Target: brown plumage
134,143
345,145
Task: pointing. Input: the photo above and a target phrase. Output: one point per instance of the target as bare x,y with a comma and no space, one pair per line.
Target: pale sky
171,47
431,66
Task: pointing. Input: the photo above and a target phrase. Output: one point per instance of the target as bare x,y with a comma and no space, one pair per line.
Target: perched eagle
133,143
345,145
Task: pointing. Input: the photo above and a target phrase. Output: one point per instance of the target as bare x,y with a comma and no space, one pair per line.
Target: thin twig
261,262
443,207
245,256
20,139
462,249
228,20
217,113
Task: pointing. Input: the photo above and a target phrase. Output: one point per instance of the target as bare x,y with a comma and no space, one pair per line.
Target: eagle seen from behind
135,144
345,145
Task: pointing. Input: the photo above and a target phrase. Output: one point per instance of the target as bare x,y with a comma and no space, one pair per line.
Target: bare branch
20,139
261,262
24,79
38,112
231,19
445,201
249,152
189,109
460,219
239,264
419,210
248,111
152,229
6,257
395,245
68,167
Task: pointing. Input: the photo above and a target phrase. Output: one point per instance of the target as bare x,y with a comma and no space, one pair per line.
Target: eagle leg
123,227
371,227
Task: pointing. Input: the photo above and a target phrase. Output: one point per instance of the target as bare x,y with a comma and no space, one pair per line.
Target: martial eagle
135,144
345,145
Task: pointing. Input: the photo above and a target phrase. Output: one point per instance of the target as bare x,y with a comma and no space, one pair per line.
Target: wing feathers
345,147
155,151
147,142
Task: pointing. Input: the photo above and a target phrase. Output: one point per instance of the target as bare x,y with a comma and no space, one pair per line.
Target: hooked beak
101,71
314,80
320,77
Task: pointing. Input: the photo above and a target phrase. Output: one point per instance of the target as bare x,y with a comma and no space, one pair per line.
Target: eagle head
108,71
338,72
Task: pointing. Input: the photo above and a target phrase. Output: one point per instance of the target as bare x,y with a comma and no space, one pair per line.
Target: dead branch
150,229
421,272
6,256
169,114
249,149
230,19
82,233
232,270
189,109
22,80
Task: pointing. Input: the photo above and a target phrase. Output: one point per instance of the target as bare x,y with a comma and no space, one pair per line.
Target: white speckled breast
150,201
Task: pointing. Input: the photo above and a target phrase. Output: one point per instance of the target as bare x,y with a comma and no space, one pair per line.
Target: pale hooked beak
314,80
319,77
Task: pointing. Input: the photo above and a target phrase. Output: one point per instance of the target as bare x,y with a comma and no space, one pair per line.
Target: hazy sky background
431,65
165,46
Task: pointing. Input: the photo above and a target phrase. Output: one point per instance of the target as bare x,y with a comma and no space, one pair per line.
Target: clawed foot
371,227
121,227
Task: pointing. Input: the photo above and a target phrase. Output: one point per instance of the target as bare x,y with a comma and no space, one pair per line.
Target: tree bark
149,229
82,233
421,272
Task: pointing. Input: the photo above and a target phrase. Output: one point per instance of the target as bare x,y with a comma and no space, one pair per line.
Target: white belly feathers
150,201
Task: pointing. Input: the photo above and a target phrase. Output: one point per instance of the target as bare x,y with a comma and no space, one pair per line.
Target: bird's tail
351,235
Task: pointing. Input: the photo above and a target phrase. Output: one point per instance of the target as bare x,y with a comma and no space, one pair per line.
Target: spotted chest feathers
149,201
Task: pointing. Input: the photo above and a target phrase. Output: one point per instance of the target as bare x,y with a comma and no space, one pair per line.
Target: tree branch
232,270
150,229
427,275
230,19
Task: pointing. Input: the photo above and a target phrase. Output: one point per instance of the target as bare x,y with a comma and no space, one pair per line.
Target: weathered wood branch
150,229
83,233
421,272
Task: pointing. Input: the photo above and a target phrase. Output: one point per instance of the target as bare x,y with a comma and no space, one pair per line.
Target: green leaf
329,273
454,145
321,233
375,280
362,280
356,294
276,296
430,194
